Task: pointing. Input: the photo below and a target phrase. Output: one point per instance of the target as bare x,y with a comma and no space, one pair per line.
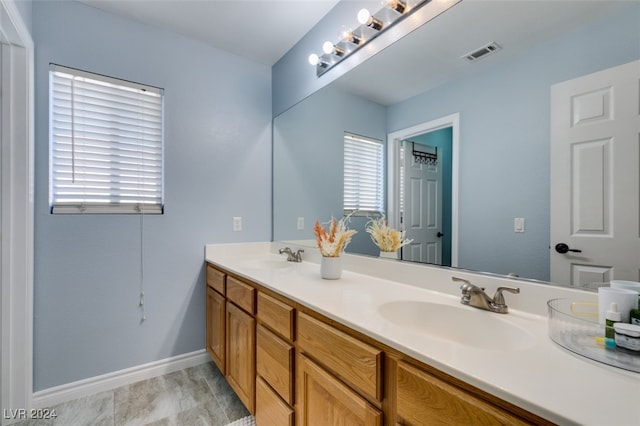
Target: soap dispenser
612,316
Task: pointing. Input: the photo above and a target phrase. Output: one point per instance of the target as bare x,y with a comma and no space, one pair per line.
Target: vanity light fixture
370,27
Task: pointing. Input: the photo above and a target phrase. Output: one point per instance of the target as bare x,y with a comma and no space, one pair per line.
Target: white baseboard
67,392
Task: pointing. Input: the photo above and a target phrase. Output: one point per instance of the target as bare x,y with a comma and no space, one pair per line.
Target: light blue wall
504,140
24,8
217,165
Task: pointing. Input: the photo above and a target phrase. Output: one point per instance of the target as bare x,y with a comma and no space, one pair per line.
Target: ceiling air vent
482,52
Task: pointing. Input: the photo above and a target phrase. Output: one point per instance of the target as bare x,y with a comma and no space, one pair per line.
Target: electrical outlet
237,223
518,224
300,223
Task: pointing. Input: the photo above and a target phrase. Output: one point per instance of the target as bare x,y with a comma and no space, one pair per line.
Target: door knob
439,234
562,248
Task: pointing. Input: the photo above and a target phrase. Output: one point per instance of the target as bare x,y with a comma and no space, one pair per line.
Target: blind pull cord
73,131
141,303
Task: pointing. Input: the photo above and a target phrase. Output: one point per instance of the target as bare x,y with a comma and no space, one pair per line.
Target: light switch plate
237,223
300,223
518,224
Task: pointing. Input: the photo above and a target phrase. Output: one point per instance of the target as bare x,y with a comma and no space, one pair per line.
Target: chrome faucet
475,296
291,256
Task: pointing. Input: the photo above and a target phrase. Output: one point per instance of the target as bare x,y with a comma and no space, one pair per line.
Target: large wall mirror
491,120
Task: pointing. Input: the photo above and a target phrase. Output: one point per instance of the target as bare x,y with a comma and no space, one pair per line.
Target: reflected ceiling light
370,27
365,18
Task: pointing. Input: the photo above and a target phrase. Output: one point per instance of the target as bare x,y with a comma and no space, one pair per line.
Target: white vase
331,268
389,254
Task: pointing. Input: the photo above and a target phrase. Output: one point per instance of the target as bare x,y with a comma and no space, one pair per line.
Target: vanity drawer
421,395
243,295
271,410
274,362
356,362
215,279
276,315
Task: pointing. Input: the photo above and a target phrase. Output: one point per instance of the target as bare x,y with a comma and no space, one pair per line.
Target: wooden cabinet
241,347
288,364
324,400
216,328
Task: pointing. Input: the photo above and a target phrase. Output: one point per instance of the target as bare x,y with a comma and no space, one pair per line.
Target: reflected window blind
106,144
363,174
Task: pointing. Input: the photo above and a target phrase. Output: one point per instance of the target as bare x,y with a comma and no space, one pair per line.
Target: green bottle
612,316
634,316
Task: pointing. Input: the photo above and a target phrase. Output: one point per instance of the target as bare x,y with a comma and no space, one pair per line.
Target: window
363,174
106,144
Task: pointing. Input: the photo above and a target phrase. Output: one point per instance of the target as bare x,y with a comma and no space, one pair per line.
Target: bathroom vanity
389,343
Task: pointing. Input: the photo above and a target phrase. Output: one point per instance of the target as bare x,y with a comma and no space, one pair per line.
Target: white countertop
541,377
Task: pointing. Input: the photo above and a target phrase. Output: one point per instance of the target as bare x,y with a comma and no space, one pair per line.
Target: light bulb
363,16
314,59
327,47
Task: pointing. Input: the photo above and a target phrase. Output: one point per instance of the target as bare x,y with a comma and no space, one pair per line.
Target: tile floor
196,396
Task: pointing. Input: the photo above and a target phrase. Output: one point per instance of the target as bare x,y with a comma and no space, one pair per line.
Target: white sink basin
276,263
462,325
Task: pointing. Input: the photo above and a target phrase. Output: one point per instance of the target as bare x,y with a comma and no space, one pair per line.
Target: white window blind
363,174
106,144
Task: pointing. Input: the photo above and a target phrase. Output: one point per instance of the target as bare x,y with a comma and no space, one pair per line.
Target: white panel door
595,180
423,209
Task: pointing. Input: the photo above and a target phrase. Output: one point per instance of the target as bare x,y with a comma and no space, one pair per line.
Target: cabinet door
216,329
241,354
426,399
324,400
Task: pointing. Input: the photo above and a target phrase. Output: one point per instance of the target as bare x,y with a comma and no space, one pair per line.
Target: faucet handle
498,298
466,284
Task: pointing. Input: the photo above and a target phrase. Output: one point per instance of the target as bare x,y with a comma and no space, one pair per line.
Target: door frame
393,184
16,215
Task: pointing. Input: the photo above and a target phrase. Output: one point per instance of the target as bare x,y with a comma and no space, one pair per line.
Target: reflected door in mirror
422,210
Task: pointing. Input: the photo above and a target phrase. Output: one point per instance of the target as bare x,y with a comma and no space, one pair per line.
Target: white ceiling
260,30
264,30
